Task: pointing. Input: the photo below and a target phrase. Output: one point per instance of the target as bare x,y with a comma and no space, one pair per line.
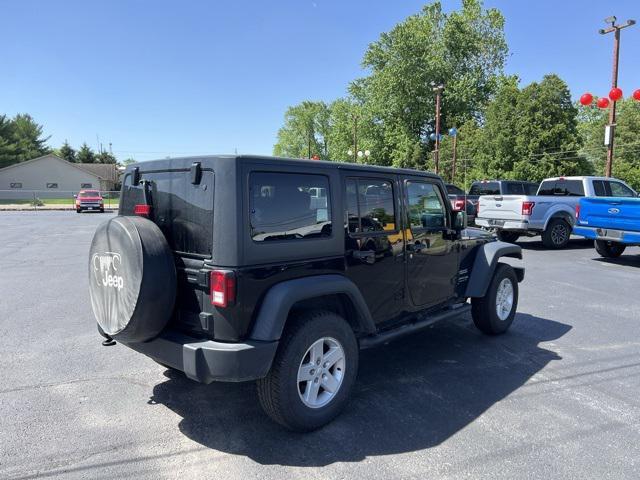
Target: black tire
484,310
78,210
557,234
608,249
280,392
132,279
102,210
507,236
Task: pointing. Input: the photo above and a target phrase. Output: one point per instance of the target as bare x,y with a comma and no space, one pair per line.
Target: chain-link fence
50,200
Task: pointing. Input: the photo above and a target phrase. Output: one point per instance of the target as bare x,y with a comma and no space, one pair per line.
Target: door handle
365,256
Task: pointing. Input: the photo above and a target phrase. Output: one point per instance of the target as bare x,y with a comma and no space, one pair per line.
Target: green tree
305,131
105,157
128,161
529,133
464,49
86,154
8,151
626,158
67,152
28,138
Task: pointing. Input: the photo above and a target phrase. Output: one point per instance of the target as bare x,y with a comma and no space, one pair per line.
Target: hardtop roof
185,162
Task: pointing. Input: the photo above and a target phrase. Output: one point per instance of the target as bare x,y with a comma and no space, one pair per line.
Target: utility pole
355,138
438,89
616,56
453,160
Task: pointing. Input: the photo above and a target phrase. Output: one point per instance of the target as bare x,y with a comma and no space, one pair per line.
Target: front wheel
507,236
313,372
557,234
493,314
608,249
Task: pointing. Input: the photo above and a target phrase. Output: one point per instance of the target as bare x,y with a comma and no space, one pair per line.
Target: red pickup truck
89,200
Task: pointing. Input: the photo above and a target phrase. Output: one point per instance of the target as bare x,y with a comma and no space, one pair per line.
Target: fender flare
485,264
560,211
278,301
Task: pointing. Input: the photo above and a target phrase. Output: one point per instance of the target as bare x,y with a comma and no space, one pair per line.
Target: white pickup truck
550,213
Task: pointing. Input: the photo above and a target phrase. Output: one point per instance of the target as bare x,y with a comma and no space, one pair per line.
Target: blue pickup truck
613,221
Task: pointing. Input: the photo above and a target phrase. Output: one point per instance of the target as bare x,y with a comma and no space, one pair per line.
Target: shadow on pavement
410,395
632,260
574,244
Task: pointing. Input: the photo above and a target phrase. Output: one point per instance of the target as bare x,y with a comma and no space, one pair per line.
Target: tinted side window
426,207
620,190
599,188
530,188
371,208
485,188
513,188
288,206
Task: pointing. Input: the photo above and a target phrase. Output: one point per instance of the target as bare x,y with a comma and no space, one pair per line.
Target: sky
172,78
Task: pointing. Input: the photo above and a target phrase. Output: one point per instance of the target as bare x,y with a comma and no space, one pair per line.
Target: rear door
184,213
616,207
432,259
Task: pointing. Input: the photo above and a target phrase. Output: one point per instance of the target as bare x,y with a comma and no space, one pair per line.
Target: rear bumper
206,360
620,236
521,225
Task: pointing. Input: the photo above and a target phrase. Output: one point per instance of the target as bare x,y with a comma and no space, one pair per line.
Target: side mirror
460,220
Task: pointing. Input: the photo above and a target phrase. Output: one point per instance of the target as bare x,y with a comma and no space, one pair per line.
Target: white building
54,177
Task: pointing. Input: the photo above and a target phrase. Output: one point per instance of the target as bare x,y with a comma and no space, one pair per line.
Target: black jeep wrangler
237,268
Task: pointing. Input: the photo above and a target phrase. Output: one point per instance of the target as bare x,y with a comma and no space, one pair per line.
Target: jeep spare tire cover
132,279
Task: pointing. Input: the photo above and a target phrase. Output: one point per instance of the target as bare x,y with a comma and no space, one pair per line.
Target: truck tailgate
611,212
501,207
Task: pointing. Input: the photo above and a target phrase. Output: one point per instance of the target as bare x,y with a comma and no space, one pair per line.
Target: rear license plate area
605,233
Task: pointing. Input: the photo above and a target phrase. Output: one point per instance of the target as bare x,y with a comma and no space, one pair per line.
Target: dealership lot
556,397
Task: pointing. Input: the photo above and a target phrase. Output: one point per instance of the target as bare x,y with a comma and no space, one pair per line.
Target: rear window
289,206
530,188
182,210
485,188
565,188
514,188
453,190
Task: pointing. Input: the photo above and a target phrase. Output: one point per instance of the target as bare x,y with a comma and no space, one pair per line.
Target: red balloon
586,99
636,94
603,102
615,94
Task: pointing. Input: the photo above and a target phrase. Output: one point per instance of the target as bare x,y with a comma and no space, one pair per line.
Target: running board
423,322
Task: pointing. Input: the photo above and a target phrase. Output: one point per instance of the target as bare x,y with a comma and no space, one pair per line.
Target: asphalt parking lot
557,397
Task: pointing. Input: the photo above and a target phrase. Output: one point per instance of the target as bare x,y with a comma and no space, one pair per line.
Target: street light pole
453,159
616,56
438,89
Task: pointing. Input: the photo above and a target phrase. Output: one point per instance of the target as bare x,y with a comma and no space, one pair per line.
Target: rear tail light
143,210
458,205
222,284
577,211
527,207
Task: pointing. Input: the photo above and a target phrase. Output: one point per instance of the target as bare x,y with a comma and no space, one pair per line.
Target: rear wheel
78,210
557,234
313,372
608,249
507,236
493,314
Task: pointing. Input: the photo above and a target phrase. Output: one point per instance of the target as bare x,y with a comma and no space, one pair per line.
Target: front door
432,256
